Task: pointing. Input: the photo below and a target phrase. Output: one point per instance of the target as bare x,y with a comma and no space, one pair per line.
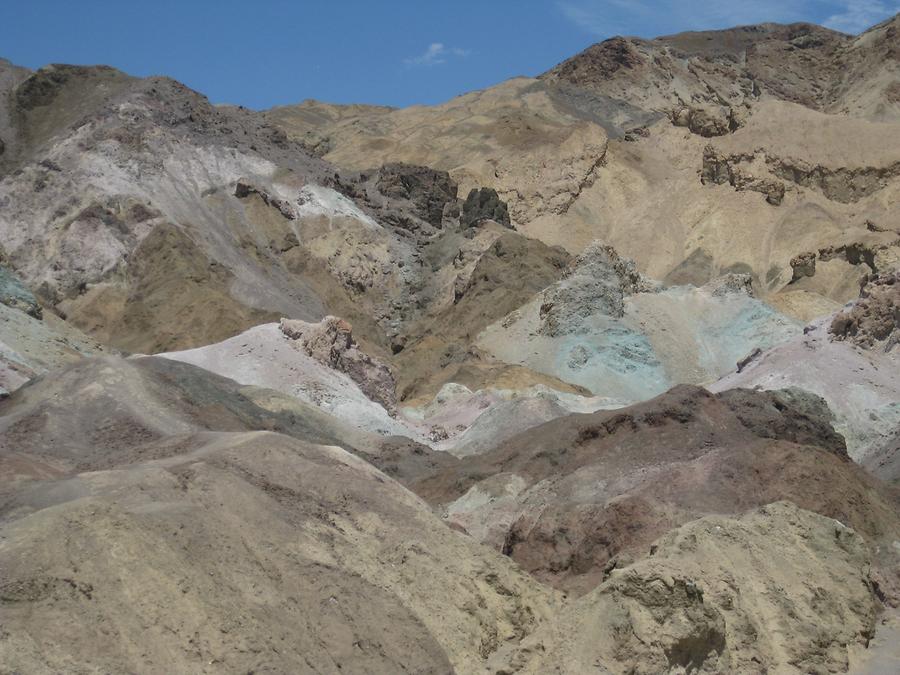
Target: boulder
747,360
773,190
731,283
708,123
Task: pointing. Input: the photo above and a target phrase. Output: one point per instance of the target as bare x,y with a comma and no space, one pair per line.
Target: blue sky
261,53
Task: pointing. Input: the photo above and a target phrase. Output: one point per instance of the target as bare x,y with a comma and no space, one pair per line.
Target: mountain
609,145
595,370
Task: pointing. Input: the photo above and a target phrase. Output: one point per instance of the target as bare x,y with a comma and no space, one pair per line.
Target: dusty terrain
248,551
321,545
592,371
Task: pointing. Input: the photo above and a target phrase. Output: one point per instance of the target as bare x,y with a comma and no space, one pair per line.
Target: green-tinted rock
14,293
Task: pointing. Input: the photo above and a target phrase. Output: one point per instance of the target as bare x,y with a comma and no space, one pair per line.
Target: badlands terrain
597,371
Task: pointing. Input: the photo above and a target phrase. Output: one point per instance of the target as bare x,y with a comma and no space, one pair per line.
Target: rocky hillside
592,371
799,63
695,155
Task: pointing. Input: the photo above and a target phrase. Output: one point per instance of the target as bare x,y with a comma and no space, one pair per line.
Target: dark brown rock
484,204
803,265
429,190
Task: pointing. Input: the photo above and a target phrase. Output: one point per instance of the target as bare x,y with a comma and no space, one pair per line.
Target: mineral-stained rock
874,320
860,386
13,293
484,204
599,485
597,281
789,414
156,220
331,342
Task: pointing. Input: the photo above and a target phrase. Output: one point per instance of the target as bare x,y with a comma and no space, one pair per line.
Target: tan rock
715,596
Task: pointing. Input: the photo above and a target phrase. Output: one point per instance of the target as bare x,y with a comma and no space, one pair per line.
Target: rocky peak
45,84
599,62
800,63
732,43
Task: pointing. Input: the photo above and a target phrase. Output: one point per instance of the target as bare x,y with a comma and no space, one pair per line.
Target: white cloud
649,18
856,16
436,53
590,17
